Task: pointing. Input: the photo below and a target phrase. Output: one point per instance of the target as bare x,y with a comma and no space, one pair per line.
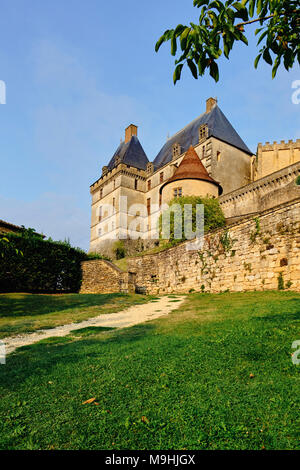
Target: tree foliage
222,24
30,264
213,215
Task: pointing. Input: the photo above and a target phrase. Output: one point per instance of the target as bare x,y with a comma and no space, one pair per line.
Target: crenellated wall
275,156
266,193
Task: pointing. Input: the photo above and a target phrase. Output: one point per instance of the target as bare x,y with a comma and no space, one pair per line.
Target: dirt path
129,317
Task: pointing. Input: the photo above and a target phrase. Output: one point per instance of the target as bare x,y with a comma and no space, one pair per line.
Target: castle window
99,232
161,177
218,156
149,206
101,193
114,184
176,150
114,202
100,213
135,184
203,151
149,185
149,167
177,192
203,132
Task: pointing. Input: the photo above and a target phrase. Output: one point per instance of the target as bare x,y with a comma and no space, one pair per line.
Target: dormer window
117,160
150,168
176,150
203,132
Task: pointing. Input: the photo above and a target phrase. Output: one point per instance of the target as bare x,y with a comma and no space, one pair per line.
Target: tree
213,215
222,24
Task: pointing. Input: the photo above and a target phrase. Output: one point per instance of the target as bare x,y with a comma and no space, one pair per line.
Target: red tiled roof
191,167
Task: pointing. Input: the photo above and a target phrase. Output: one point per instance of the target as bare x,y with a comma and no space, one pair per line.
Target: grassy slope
180,382
21,313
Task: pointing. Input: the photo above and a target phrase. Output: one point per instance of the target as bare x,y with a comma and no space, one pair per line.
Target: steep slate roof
218,126
131,153
191,167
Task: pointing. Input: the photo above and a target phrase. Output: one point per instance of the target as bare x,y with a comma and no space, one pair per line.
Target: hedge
30,264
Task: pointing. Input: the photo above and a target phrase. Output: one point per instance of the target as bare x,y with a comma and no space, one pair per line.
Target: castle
207,157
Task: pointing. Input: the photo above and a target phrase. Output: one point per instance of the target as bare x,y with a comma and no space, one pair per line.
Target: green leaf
192,68
214,71
276,65
259,6
165,37
257,60
183,38
244,39
267,56
262,36
199,3
173,45
177,73
251,8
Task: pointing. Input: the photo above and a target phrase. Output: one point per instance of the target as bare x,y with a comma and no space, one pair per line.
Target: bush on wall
213,215
30,264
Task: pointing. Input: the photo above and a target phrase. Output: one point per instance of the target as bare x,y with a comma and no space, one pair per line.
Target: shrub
93,255
280,281
213,215
119,250
297,181
31,264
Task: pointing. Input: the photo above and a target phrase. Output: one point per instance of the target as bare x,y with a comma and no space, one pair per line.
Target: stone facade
249,255
274,157
253,254
226,163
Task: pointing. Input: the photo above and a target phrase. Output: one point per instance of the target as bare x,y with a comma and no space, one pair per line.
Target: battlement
282,145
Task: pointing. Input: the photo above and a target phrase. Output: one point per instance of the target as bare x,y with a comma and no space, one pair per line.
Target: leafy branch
219,28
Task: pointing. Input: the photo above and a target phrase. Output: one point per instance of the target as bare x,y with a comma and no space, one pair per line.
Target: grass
214,374
23,313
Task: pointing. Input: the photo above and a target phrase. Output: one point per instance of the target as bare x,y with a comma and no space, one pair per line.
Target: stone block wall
249,255
102,277
266,193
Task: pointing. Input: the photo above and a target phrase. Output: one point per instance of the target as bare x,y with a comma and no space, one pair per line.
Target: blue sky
77,73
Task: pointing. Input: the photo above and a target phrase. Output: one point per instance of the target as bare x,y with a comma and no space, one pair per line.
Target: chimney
210,104
129,132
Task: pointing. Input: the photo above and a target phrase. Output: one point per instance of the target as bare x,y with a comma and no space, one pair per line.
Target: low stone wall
252,254
102,277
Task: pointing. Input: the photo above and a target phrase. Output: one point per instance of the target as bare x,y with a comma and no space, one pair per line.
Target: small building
7,227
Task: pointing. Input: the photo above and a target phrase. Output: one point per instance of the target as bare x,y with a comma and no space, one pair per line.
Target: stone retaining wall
102,277
250,255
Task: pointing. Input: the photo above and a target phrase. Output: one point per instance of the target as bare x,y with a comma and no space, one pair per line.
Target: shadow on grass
29,304
41,358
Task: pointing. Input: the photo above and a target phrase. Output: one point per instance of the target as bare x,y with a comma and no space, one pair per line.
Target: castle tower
124,176
190,179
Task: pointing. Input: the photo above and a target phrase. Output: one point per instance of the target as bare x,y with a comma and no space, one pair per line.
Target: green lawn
23,313
215,374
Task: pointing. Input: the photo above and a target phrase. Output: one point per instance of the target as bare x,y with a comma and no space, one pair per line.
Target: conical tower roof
191,167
